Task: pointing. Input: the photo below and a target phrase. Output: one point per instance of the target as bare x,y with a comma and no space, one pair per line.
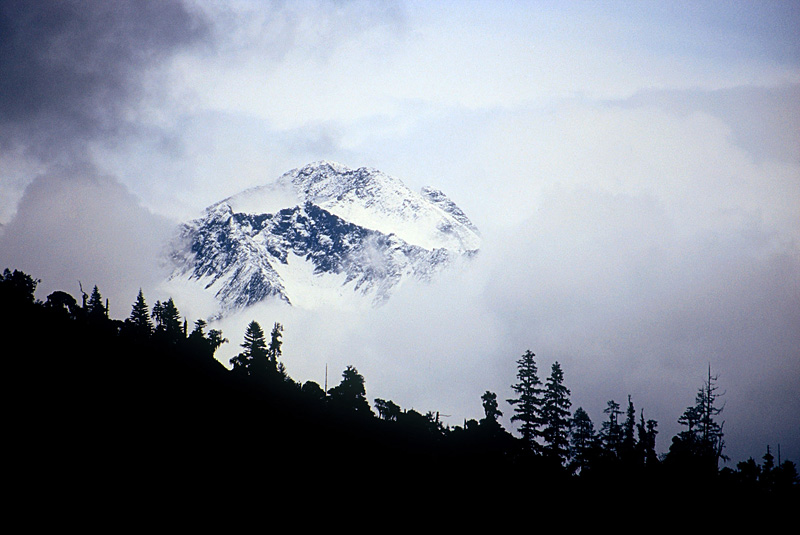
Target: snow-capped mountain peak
323,225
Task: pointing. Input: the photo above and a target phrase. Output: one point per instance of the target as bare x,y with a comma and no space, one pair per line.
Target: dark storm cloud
72,73
69,69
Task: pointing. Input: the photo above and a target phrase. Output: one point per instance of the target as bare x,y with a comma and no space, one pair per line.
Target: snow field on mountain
321,235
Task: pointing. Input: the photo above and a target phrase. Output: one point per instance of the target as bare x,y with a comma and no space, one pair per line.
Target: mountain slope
321,233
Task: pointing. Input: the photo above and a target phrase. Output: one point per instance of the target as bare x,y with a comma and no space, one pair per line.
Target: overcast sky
634,168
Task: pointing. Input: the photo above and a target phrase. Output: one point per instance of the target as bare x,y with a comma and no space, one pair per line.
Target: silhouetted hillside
125,405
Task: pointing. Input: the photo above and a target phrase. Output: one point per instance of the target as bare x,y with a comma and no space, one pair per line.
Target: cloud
606,285
635,244
71,69
73,73
296,65
74,225
689,162
764,121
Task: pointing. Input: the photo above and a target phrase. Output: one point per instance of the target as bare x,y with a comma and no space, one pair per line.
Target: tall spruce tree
95,308
157,314
274,352
168,320
627,445
555,415
583,439
610,431
140,317
253,360
528,403
274,349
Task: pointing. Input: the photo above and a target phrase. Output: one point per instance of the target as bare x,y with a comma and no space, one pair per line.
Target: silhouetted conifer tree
157,313
555,415
710,430
583,439
199,329
95,309
253,360
700,446
627,445
274,349
215,339
528,404
274,352
689,418
172,320
611,431
140,317
168,320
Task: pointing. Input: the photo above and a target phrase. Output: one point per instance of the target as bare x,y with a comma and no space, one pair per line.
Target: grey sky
634,168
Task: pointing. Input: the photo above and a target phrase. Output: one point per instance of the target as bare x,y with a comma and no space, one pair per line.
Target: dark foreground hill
101,412
91,403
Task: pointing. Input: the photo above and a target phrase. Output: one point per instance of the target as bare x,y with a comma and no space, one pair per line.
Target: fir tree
700,446
627,446
528,404
168,320
172,320
199,329
95,308
140,316
690,418
274,352
202,343
583,439
215,339
610,432
555,415
253,360
157,314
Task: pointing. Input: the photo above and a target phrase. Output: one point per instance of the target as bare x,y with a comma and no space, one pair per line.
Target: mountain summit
318,234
